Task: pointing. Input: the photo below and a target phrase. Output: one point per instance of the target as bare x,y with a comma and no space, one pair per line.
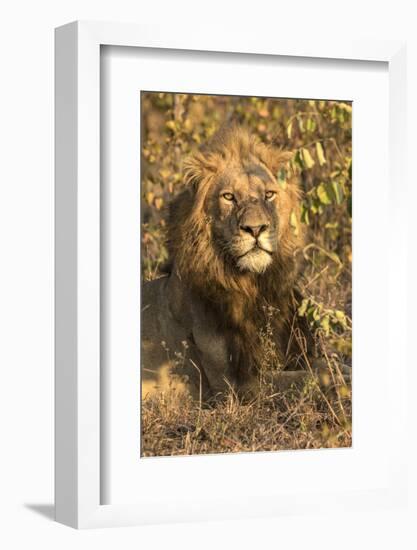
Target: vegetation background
320,134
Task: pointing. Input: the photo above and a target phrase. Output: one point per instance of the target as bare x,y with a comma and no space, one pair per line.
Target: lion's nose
254,230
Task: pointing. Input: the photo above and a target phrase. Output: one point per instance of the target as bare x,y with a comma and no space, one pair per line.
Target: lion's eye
269,195
228,196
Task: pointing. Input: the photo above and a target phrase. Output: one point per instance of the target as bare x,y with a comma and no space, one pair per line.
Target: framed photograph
230,337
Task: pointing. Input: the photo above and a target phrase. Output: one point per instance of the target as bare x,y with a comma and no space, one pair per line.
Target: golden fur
226,282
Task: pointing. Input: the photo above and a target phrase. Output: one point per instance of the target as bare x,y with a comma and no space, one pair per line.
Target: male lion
233,233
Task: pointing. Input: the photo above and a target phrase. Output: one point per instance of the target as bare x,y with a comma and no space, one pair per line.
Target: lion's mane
240,300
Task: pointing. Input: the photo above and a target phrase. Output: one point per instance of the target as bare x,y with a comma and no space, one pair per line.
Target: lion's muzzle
255,243
254,219
254,230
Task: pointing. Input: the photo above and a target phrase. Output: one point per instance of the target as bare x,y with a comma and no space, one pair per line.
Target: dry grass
316,415
304,418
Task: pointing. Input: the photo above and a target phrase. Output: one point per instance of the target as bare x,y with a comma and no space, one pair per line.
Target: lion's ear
275,158
284,156
196,168
193,170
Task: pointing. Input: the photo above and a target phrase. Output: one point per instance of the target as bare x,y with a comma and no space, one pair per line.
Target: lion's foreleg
214,360
286,379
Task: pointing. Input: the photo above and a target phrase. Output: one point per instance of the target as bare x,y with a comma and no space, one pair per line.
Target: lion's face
245,215
233,217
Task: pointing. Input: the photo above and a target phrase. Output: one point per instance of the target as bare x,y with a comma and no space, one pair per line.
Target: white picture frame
78,405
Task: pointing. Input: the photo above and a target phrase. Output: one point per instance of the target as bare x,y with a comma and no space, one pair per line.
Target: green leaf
341,317
294,223
320,153
305,214
298,160
314,207
337,192
323,194
325,323
310,314
307,158
303,307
